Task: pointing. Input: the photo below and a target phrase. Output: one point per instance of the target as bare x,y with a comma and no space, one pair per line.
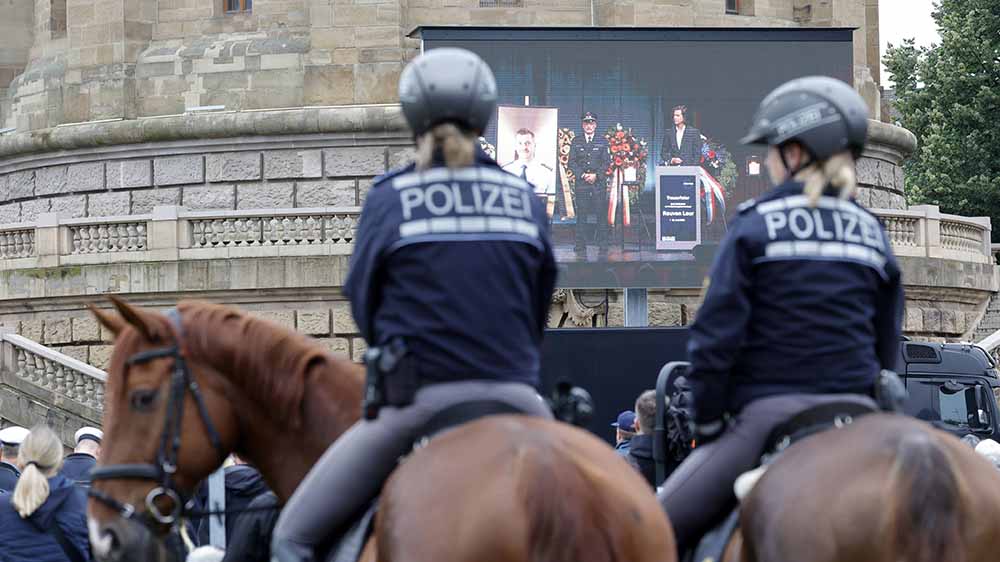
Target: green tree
949,96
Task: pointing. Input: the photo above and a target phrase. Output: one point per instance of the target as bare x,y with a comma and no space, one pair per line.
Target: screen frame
637,274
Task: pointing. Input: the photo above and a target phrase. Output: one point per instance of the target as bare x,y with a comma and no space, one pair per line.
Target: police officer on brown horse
804,301
450,284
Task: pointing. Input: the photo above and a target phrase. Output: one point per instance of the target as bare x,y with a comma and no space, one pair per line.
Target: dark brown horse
519,489
883,489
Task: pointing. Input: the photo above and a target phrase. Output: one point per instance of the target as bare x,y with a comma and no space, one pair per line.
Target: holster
889,392
391,378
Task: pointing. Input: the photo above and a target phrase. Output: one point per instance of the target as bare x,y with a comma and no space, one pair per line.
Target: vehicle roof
954,360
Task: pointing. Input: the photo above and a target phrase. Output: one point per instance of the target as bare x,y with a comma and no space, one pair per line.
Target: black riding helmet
447,85
823,114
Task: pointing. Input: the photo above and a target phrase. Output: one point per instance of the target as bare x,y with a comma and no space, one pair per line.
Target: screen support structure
636,311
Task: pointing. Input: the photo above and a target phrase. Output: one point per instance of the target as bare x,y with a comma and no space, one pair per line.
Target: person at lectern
682,145
588,160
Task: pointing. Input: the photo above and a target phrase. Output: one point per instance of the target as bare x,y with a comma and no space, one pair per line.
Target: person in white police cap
803,304
441,234
10,442
78,464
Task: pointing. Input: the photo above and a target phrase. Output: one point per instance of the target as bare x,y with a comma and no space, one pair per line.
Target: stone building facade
114,178
74,61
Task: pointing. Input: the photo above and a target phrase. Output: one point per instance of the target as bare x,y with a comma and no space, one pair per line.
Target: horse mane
270,363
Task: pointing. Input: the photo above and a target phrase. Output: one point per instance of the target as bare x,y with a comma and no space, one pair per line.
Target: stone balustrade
922,231
174,233
40,385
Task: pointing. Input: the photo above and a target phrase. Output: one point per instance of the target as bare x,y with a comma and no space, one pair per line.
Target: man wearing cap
624,432
588,160
10,441
81,461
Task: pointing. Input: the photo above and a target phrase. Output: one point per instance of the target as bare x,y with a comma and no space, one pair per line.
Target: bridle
162,472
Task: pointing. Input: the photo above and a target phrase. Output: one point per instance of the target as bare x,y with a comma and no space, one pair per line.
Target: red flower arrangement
627,153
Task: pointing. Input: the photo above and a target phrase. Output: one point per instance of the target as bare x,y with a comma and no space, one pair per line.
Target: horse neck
331,404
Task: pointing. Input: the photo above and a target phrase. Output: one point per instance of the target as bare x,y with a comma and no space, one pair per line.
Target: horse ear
110,321
134,316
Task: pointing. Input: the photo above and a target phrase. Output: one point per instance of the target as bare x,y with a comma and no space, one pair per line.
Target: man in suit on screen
682,145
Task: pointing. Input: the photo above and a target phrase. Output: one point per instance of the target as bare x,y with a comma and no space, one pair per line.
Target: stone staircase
990,323
41,385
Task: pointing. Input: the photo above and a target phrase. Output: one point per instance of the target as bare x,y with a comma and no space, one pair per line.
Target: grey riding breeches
700,490
352,470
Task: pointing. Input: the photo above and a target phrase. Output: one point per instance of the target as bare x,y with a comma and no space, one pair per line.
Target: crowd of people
43,496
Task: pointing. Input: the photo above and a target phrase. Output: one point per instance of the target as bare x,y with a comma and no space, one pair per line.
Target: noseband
162,472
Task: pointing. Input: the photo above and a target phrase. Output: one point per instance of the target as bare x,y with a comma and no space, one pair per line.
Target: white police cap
13,435
91,433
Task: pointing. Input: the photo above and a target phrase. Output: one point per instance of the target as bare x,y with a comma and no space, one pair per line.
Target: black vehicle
954,386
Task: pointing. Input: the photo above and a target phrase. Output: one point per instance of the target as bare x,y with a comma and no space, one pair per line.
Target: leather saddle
348,548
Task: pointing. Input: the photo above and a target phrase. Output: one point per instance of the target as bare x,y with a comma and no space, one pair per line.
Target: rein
162,471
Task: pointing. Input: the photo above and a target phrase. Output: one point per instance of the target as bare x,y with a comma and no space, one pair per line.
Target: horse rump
927,518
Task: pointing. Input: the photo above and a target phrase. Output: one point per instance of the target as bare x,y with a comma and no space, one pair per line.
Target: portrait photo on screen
526,146
633,135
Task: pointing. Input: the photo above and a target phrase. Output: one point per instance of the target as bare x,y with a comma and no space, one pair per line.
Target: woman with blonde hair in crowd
45,519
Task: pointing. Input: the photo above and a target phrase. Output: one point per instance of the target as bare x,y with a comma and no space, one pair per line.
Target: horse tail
927,494
570,517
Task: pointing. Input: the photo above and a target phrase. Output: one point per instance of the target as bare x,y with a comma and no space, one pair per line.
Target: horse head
167,425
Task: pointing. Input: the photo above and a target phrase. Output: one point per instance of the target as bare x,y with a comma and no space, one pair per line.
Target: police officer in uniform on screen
588,160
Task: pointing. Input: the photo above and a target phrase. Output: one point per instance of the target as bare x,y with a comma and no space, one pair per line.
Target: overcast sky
902,19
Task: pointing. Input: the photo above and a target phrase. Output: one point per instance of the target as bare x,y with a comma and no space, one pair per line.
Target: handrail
46,369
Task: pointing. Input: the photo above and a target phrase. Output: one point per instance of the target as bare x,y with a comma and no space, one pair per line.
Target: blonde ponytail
837,172
458,147
41,456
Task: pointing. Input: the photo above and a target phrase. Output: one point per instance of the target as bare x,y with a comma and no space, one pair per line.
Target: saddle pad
745,482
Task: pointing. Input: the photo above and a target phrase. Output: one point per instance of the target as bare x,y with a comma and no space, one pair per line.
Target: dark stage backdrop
614,364
633,78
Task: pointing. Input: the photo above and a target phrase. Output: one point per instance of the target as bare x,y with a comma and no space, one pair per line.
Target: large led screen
631,136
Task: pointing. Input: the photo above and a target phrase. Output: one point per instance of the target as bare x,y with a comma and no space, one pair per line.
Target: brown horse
886,488
181,394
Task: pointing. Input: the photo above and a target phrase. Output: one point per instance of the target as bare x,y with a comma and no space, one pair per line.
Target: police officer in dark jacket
78,464
450,284
803,305
588,160
10,440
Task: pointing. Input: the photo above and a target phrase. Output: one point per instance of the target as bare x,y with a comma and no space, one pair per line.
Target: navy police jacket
30,540
77,467
459,264
800,299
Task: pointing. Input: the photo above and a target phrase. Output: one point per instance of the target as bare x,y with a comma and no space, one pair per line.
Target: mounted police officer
10,442
803,304
450,284
589,160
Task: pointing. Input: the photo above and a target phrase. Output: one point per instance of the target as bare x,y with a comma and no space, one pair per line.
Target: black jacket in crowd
9,474
252,531
640,456
243,484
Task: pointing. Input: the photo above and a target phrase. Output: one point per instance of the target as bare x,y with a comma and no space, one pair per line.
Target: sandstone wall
121,59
